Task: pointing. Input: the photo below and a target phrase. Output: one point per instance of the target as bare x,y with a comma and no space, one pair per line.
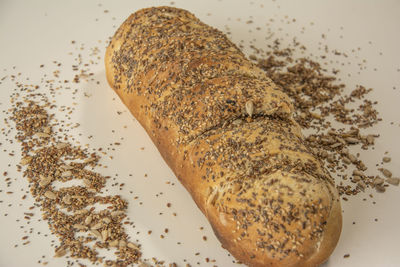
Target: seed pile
327,113
70,211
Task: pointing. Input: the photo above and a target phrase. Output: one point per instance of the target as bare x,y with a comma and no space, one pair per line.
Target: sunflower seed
41,116
88,219
133,246
122,244
249,108
44,180
96,233
346,160
359,173
378,181
80,212
393,181
89,160
60,253
50,195
117,213
352,158
97,226
386,172
113,243
66,174
67,199
106,220
66,167
380,188
79,226
42,135
104,235
362,166
315,115
342,141
335,145
370,139
143,264
361,185
87,182
25,160
92,190
351,140
327,140
61,145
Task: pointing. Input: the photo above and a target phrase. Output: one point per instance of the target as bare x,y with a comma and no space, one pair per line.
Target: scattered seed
106,220
122,244
61,145
352,158
386,172
113,243
87,182
88,220
346,160
66,167
117,213
104,235
335,145
142,264
378,181
380,188
361,185
66,174
358,173
50,195
60,253
393,181
133,246
370,139
42,135
80,226
44,160
25,160
96,233
44,181
97,226
67,199
89,160
351,140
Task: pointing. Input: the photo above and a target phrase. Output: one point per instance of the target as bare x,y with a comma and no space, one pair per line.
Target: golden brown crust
226,131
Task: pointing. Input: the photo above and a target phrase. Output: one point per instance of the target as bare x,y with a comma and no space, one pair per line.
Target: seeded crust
226,130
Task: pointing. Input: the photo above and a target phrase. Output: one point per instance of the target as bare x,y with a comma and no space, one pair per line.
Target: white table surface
40,32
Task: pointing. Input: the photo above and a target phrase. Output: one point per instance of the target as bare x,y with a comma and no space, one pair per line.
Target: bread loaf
226,130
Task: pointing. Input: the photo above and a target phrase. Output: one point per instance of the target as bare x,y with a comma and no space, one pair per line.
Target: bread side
226,131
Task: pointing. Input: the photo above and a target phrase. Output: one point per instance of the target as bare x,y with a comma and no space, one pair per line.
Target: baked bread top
226,130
